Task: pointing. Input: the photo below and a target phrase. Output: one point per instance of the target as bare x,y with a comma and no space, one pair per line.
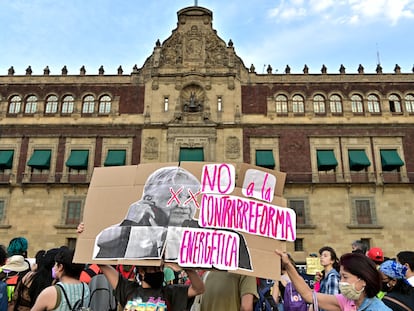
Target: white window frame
105,103
51,104
88,104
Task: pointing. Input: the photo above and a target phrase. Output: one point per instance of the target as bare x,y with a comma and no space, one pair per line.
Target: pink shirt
345,303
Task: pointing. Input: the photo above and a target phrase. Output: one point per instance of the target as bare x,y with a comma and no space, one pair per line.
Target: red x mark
174,196
193,197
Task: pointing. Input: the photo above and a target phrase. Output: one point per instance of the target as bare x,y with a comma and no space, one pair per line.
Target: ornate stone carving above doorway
192,99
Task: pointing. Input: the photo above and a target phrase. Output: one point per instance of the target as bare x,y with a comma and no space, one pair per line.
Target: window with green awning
191,154
264,158
115,158
40,159
358,160
78,159
6,159
326,160
390,160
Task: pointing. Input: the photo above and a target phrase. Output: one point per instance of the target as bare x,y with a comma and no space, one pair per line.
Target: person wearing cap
399,293
14,269
376,254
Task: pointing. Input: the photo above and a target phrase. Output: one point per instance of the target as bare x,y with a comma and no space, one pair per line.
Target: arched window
88,104
395,103
335,104
15,104
51,104
105,104
373,104
31,104
409,103
318,104
298,104
281,104
67,104
357,105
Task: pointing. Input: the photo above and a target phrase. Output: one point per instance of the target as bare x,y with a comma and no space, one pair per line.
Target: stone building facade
345,140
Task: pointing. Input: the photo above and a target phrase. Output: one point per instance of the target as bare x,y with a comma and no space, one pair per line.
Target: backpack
78,306
102,296
292,300
266,301
3,296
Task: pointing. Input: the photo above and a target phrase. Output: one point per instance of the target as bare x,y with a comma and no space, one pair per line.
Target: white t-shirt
411,280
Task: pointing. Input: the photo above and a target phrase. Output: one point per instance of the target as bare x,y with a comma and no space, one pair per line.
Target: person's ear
58,267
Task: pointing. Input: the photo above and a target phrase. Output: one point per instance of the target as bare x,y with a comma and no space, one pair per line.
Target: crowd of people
362,279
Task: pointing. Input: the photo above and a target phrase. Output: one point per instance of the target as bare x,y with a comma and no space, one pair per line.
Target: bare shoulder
46,299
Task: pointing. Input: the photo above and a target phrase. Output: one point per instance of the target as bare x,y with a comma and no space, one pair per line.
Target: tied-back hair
43,276
65,257
365,269
334,257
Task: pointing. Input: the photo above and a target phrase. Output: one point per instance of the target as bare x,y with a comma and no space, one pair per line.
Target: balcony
38,178
5,178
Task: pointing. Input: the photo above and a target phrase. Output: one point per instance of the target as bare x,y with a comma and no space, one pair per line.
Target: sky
113,33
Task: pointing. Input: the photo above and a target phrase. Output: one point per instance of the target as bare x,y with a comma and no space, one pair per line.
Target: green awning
326,160
358,160
390,160
191,154
264,158
40,159
115,158
6,159
78,159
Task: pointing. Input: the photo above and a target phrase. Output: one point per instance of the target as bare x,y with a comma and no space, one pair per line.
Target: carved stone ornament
192,98
232,147
151,146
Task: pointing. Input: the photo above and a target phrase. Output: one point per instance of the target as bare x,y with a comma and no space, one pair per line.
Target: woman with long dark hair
69,293
34,282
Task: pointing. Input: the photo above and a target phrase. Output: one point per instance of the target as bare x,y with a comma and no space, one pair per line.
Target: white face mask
349,291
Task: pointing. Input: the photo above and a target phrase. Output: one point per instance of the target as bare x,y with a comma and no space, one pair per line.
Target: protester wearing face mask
150,290
360,282
399,292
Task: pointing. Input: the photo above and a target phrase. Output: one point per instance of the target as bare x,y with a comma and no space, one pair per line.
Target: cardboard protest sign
202,215
313,265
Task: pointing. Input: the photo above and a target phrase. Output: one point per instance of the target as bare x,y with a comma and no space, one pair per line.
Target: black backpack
78,306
